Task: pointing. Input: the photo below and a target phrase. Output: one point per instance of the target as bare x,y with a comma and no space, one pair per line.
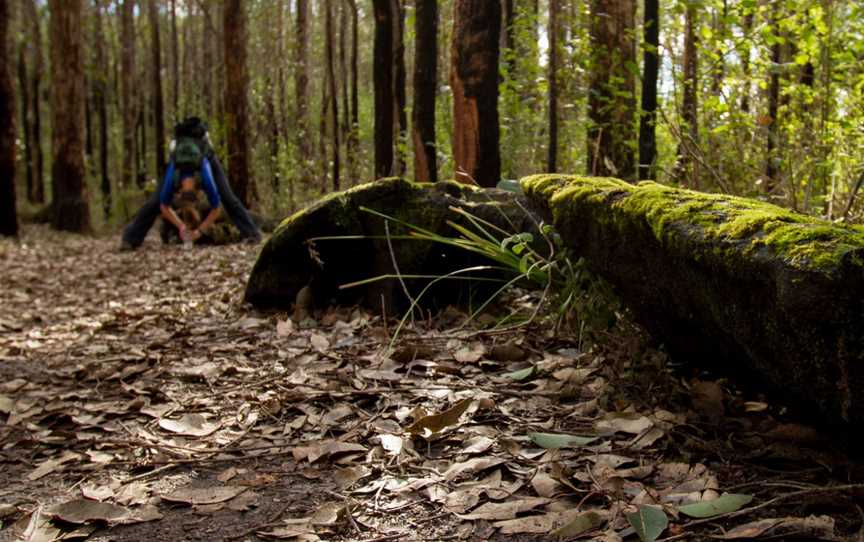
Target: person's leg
135,232
238,214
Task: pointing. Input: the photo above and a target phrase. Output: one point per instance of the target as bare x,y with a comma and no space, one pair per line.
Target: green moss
730,223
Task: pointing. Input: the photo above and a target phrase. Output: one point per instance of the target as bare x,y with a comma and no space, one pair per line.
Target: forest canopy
303,97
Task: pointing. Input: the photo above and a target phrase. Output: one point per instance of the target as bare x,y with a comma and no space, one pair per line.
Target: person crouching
179,203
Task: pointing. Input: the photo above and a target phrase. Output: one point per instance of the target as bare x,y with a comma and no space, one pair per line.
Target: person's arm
209,186
165,200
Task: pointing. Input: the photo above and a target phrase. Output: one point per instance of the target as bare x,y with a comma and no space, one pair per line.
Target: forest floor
140,399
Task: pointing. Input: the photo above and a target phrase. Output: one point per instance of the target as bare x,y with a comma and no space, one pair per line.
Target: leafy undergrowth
140,399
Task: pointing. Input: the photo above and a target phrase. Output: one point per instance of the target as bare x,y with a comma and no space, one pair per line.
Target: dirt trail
140,381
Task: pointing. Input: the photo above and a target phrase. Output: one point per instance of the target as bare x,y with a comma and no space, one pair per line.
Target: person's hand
195,235
183,232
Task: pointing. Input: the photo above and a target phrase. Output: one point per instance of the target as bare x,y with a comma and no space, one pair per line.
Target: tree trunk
333,94
353,143
425,87
612,89
688,145
508,36
771,158
69,208
175,64
158,104
400,80
24,90
474,82
88,126
8,214
127,73
552,77
100,90
384,87
345,125
650,70
38,195
747,27
301,86
236,99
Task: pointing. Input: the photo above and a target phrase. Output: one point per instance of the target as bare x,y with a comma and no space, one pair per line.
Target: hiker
191,156
180,204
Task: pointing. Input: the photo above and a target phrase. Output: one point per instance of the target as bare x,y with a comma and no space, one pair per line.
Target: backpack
191,144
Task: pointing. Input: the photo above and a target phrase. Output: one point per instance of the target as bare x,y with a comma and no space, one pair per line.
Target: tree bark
384,87
100,93
353,142
38,67
686,171
474,82
69,208
612,89
650,71
747,27
301,86
333,95
552,77
158,104
175,64
425,91
236,99
8,214
400,81
24,90
127,73
771,158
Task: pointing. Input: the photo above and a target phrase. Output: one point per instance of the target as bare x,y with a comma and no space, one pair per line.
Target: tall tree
175,60
69,208
474,82
156,74
333,94
771,158
127,90
24,91
552,77
384,86
425,86
612,89
650,71
301,84
236,99
688,144
8,216
100,98
37,69
353,142
400,81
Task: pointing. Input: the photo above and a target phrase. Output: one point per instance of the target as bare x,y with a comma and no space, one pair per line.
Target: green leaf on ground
554,440
522,374
721,505
648,522
580,524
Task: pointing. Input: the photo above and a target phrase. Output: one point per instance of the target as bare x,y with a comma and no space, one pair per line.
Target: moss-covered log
296,254
727,280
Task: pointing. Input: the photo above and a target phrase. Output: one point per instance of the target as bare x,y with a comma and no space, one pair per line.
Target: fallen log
727,281
335,242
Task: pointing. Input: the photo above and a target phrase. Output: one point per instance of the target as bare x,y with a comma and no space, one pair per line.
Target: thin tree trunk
158,104
425,87
127,72
686,171
88,126
612,89
236,99
353,134
508,36
69,208
334,95
384,87
400,80
474,82
175,64
100,91
650,71
8,214
771,170
38,65
747,27
552,77
301,87
343,71
24,89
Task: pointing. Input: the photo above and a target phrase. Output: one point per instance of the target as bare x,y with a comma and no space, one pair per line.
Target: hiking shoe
126,246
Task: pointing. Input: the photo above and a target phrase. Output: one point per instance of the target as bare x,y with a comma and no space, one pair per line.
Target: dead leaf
505,510
191,425
811,527
284,328
507,352
623,422
429,425
392,444
84,511
470,354
51,465
346,478
472,465
545,485
205,495
477,445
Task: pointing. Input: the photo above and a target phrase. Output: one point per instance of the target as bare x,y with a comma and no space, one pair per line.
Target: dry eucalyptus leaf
472,465
191,425
391,444
51,465
347,477
205,495
505,510
429,425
